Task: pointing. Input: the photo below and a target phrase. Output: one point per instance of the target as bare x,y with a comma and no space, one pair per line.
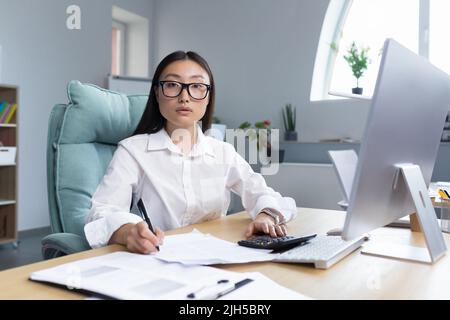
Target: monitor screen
405,123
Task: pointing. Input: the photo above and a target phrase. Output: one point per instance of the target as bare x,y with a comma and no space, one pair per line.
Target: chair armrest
61,244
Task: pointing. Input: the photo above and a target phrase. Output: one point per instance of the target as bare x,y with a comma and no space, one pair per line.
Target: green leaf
245,125
284,121
289,114
334,46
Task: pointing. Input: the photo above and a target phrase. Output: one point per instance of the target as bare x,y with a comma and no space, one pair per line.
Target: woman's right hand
138,238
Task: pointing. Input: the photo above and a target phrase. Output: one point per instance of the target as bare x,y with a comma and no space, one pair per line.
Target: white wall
311,185
262,53
41,55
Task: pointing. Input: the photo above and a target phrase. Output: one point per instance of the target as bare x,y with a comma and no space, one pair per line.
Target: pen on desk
444,195
220,292
446,192
143,211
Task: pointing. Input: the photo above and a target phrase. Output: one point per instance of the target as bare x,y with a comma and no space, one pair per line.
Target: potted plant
264,142
253,133
289,120
358,61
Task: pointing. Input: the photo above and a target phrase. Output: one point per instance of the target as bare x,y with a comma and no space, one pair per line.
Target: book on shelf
11,113
6,108
7,111
3,106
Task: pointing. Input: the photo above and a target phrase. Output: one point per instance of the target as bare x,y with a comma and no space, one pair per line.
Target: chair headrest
98,115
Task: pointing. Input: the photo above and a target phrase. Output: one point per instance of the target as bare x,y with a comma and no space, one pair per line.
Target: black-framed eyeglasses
173,89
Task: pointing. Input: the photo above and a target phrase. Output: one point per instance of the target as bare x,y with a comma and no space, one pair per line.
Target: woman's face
183,111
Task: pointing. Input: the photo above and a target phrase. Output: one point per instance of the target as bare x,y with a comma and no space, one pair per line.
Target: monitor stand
424,218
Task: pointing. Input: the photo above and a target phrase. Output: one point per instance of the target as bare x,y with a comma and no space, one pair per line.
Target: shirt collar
161,140
158,141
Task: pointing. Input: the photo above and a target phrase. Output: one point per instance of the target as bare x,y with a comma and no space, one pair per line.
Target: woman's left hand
264,223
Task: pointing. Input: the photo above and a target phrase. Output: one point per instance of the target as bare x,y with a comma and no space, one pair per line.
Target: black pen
143,211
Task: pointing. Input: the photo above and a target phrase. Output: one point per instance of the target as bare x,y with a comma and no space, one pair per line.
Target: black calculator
275,243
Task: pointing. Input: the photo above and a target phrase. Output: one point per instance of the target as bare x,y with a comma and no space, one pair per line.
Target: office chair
82,137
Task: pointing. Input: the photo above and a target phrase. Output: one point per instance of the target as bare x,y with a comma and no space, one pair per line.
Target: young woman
182,175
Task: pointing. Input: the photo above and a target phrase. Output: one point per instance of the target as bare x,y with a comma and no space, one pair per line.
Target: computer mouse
334,232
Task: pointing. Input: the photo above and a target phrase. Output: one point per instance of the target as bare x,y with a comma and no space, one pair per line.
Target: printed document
124,275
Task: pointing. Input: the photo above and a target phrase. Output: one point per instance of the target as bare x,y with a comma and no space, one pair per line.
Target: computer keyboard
322,251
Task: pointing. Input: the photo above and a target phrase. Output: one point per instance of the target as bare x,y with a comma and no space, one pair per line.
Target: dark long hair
152,120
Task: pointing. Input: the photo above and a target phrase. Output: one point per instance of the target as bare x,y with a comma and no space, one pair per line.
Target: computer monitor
404,126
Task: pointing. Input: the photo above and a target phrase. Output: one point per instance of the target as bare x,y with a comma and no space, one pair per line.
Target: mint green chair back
82,138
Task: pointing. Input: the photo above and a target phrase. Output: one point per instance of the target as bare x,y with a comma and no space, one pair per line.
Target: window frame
321,82
122,27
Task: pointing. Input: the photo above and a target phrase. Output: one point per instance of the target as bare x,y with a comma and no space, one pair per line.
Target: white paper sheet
263,288
196,248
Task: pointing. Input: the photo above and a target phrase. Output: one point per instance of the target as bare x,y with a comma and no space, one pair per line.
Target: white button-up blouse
177,189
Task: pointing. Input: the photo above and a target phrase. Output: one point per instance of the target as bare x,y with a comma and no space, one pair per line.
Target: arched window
420,25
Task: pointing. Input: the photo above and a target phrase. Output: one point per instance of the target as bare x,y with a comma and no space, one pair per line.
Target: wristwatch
277,217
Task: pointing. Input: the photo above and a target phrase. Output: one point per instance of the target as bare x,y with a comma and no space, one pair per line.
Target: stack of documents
196,248
123,275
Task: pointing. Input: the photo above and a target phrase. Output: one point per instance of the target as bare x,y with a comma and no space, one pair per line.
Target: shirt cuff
285,206
99,232
275,214
288,208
